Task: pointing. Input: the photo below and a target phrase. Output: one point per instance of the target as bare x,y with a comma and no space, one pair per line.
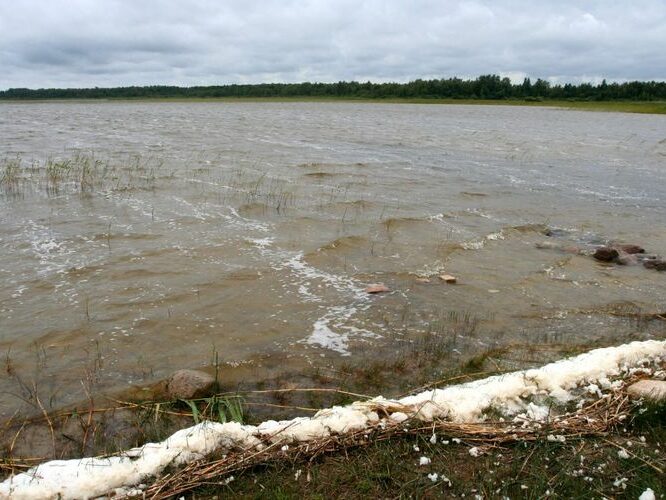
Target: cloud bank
87,43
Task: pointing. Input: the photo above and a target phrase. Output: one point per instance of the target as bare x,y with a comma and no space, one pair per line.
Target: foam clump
91,477
506,393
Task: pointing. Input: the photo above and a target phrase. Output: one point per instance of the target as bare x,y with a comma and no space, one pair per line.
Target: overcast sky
86,43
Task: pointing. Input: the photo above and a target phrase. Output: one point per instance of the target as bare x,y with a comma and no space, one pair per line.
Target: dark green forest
483,87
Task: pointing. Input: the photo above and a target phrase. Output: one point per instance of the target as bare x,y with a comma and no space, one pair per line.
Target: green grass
642,107
578,468
653,107
657,108
608,106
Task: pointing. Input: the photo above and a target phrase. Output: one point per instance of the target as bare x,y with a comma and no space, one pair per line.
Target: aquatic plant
81,173
10,176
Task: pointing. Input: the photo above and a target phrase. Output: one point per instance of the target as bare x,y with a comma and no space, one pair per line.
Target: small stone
422,280
606,254
447,278
630,249
657,264
650,389
189,384
377,288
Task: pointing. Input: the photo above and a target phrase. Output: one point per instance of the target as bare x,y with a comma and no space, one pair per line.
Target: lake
137,238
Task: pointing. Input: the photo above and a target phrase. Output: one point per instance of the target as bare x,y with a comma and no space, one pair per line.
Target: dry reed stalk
596,418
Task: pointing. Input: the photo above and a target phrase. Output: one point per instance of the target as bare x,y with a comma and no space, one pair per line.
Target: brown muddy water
138,238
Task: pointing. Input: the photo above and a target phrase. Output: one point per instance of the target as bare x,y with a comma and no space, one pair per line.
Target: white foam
337,340
323,336
339,282
331,330
478,244
261,242
46,246
197,212
249,223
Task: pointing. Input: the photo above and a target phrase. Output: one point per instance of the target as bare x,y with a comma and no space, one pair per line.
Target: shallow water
250,230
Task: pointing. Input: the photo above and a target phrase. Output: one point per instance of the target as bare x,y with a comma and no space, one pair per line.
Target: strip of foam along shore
526,394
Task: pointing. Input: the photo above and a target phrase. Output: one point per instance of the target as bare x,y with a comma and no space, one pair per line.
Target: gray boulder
190,384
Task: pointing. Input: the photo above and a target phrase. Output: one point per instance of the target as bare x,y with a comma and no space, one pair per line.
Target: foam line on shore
512,394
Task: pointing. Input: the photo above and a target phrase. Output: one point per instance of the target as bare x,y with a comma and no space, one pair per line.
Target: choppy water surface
252,229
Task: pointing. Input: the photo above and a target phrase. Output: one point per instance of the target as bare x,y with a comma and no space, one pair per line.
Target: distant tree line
483,87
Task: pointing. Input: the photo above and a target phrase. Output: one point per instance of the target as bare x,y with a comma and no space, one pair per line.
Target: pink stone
377,288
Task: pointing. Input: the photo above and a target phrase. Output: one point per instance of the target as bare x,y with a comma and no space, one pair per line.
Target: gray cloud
83,43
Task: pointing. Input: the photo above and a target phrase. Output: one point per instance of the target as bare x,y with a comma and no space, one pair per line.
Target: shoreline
533,393
638,107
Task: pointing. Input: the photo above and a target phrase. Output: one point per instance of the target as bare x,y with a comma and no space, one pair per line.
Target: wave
344,243
504,233
348,207
323,175
143,273
322,165
473,194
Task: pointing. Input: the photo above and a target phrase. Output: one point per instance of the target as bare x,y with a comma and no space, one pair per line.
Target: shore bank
516,403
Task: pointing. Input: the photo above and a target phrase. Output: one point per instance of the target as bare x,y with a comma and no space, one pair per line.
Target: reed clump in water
81,173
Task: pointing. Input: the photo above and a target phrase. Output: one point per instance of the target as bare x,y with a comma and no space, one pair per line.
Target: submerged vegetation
490,87
81,173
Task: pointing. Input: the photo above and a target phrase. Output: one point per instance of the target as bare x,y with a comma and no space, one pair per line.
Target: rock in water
189,384
630,249
606,254
658,264
447,278
377,288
